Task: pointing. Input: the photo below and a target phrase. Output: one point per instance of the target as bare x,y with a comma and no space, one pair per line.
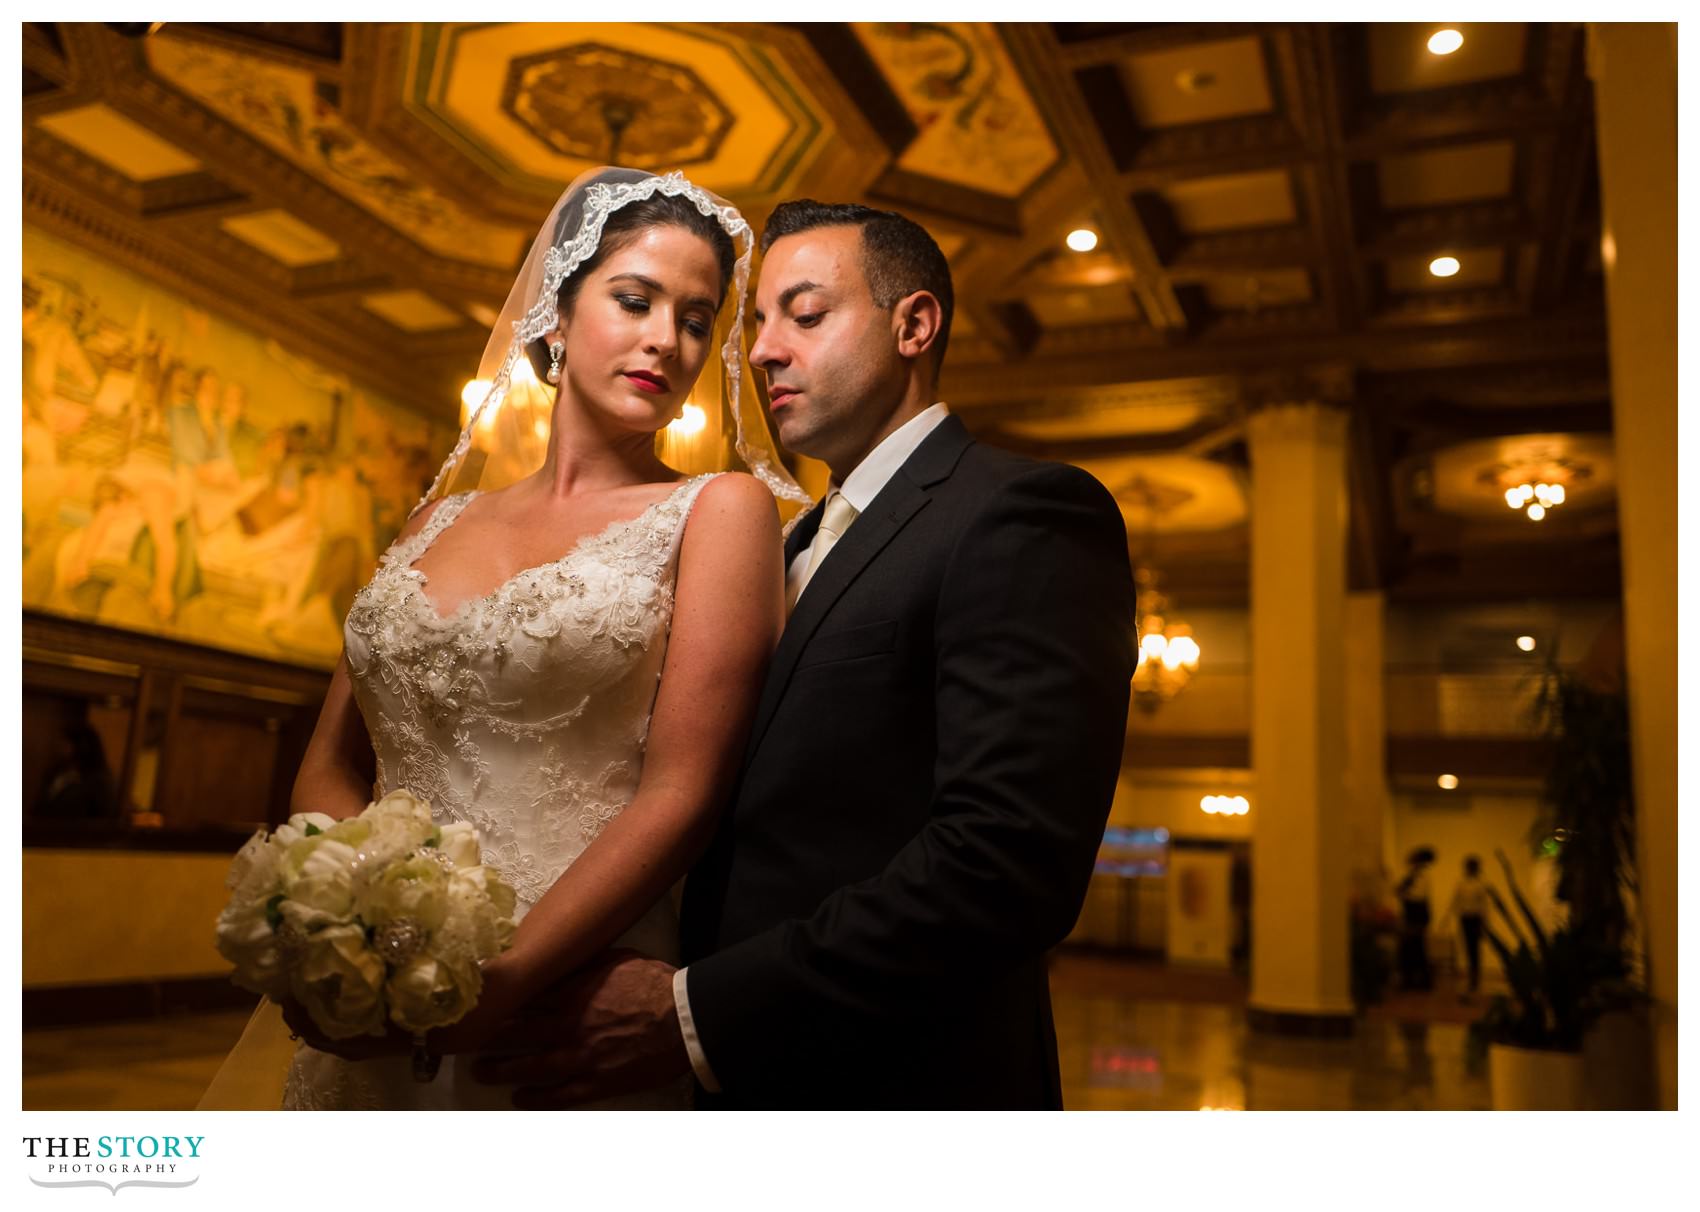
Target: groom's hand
608,1029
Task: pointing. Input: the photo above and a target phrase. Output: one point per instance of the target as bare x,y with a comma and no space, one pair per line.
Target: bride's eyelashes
638,305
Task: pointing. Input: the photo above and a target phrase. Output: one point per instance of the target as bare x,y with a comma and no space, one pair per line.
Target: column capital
1327,384
1311,421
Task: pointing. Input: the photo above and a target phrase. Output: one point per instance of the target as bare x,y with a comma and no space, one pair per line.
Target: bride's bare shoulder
733,510
417,522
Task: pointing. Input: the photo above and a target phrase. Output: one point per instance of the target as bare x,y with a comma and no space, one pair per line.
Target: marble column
1634,71
1299,966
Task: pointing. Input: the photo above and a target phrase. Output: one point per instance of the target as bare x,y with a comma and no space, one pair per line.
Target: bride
567,653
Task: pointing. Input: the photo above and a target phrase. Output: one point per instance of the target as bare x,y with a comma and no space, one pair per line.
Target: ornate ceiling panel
1201,82
119,143
1400,61
1469,480
976,123
536,105
1170,494
1238,200
283,237
1265,197
287,110
1445,175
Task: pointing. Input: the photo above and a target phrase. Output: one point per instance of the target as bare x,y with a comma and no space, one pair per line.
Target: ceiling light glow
1445,41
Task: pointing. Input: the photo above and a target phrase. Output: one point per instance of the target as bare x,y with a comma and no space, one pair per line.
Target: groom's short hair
898,256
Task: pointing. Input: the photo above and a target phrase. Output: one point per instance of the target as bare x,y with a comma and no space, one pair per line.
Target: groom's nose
767,353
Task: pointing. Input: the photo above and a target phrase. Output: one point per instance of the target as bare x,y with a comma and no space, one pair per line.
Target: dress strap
402,554
688,493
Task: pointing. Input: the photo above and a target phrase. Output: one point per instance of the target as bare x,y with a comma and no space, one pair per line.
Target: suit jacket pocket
866,640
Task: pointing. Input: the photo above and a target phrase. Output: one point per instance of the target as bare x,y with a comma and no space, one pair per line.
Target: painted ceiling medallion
600,103
533,104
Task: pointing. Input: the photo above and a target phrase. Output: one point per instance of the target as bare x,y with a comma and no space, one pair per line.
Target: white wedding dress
524,712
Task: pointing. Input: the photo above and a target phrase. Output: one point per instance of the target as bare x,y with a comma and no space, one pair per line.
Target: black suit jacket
923,796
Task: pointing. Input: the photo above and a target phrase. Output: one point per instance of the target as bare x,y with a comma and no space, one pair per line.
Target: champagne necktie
835,520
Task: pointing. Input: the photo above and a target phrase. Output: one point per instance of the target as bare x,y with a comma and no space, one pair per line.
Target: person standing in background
1414,971
1469,905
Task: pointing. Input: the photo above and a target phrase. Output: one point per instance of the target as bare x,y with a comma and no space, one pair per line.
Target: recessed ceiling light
1445,41
1448,782
1526,643
1083,239
1443,267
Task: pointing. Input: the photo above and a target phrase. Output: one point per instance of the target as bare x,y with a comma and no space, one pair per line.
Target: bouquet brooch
380,917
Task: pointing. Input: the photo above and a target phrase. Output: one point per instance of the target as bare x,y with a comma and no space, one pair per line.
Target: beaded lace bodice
524,711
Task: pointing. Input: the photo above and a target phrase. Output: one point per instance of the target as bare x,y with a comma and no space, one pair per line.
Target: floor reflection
1123,1050
1130,1037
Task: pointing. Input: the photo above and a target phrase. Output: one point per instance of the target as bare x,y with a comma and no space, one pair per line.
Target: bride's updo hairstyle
620,229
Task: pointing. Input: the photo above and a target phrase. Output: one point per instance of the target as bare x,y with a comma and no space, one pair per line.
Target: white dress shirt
860,488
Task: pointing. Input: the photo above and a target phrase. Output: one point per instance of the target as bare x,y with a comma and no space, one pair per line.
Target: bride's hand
497,1001
394,1042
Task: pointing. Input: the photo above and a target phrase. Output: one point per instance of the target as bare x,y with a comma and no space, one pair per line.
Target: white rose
295,828
254,871
402,806
414,889
480,923
427,992
318,876
459,841
245,938
341,981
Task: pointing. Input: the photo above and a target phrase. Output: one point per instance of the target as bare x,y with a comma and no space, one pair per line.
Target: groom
933,757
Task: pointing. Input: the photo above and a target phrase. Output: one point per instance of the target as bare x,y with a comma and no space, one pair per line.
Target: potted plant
1559,982
1588,828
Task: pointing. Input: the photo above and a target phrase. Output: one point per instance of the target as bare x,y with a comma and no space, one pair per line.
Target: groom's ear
916,319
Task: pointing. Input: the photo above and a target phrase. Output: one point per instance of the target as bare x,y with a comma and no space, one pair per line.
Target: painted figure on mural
183,476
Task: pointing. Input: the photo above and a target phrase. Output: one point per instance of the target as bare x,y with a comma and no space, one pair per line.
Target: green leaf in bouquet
312,829
274,915
436,838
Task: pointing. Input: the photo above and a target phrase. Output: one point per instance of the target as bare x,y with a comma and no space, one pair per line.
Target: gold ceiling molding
282,107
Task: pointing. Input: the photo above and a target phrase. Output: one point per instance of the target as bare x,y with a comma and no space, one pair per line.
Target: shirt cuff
687,1025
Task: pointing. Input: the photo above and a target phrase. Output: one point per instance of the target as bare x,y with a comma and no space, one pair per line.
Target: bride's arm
338,768
728,612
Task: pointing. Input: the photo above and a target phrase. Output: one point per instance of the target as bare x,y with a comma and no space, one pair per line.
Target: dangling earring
556,352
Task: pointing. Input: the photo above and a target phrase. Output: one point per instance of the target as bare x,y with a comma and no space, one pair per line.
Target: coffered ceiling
1268,199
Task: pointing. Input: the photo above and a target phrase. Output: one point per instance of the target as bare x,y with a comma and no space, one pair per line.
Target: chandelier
1168,655
1535,499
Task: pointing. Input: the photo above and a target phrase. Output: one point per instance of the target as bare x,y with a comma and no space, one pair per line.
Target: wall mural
191,478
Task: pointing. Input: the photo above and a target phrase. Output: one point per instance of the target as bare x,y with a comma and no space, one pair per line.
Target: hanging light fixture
1535,499
1168,654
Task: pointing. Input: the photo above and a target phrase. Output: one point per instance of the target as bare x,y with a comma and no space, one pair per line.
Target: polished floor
1145,1038
1130,1037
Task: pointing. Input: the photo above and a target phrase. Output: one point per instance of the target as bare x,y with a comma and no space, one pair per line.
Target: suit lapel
905,494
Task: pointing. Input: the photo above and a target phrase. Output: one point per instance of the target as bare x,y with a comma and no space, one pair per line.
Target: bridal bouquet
382,915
